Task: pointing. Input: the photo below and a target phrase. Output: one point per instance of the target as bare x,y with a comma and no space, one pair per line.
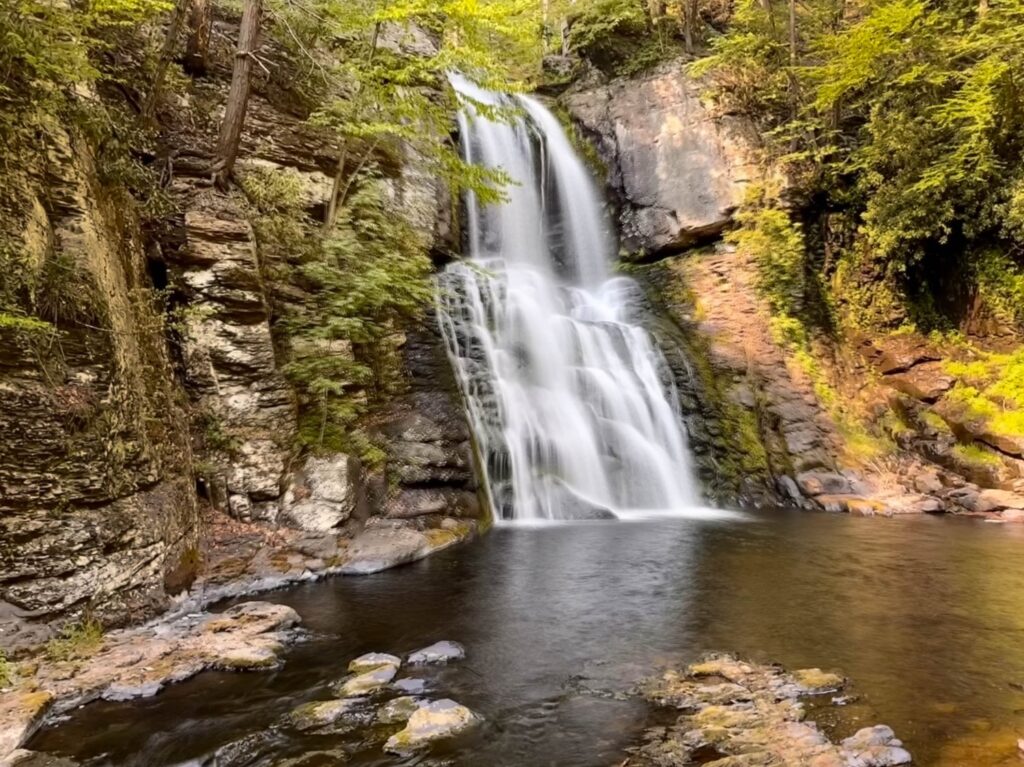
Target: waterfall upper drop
573,407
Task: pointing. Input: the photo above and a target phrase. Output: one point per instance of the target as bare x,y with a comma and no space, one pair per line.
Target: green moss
76,641
974,455
6,671
934,421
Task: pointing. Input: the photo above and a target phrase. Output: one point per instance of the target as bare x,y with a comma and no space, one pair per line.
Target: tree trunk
238,96
331,212
689,23
792,33
166,54
197,51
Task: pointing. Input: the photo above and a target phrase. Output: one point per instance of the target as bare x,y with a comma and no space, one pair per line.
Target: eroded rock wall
97,510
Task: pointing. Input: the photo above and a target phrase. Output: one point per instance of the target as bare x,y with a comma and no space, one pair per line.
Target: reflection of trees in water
923,614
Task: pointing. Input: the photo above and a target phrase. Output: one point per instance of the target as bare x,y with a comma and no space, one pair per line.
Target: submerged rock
372,660
367,682
434,721
439,652
875,746
399,709
311,716
738,714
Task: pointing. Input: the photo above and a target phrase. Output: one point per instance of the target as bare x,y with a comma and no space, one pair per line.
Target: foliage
902,114
370,278
777,246
6,671
974,455
76,641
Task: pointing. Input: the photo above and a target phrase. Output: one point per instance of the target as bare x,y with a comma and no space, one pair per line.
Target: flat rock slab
139,662
739,714
377,549
439,652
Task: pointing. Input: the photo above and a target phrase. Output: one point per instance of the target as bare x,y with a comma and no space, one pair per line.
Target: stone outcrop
246,408
139,662
96,504
430,466
735,713
753,418
677,166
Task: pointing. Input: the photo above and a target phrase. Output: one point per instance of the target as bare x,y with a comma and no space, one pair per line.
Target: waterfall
572,405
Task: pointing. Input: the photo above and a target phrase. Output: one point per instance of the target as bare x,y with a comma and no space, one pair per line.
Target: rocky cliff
158,399
865,422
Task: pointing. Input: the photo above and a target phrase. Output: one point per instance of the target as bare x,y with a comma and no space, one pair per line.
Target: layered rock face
96,502
677,167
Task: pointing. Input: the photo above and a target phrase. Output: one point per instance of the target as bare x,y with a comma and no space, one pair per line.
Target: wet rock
439,652
822,482
22,758
366,683
738,714
322,494
399,709
379,548
373,660
875,746
814,681
850,504
319,714
432,722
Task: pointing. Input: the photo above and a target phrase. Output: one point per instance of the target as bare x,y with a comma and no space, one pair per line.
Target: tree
164,59
238,96
197,50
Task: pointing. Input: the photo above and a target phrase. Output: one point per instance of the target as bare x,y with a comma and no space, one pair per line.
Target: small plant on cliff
76,641
6,671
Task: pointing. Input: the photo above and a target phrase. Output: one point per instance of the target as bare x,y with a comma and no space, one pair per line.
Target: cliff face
97,506
161,391
678,168
850,420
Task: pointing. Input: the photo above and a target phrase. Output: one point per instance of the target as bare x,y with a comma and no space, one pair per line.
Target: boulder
322,494
366,683
427,724
319,714
875,746
399,709
814,483
373,660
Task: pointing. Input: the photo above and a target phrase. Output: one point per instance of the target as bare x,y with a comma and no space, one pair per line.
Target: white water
572,405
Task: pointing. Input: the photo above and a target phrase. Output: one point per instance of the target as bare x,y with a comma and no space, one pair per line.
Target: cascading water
572,405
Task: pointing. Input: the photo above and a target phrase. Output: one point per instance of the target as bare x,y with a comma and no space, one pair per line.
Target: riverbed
924,614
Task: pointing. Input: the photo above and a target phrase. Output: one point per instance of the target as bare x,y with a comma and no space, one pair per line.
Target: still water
925,615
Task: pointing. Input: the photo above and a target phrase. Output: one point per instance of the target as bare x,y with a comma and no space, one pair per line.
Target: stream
924,615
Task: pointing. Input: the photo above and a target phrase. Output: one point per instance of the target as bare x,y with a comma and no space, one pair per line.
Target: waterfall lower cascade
572,405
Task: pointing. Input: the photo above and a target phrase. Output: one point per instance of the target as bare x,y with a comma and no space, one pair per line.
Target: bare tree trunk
331,212
792,33
767,5
238,96
200,22
166,54
689,23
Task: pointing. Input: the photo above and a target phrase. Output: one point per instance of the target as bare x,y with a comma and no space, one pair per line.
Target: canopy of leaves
906,114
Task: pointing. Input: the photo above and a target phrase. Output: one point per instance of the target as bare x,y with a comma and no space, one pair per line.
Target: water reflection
925,615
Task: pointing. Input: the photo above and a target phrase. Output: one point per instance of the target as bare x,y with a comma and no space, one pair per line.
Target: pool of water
924,614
